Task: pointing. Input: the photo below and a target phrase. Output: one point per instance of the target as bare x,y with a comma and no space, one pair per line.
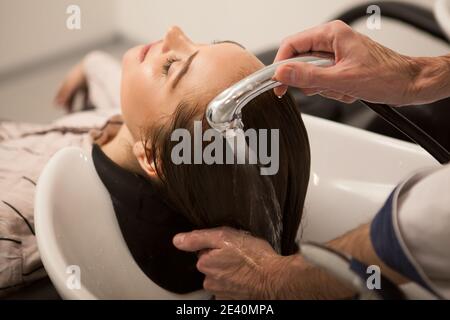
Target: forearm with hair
432,79
300,280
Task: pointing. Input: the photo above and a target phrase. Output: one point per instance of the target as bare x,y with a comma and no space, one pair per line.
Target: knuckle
223,233
193,236
344,30
212,255
208,284
339,28
285,42
288,41
193,233
200,265
332,26
227,229
309,76
349,100
309,92
205,261
338,24
220,276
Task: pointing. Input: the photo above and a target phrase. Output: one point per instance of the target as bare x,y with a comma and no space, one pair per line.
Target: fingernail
179,238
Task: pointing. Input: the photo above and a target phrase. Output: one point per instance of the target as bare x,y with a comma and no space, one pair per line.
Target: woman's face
156,78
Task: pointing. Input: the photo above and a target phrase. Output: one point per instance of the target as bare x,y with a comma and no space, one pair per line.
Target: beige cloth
25,149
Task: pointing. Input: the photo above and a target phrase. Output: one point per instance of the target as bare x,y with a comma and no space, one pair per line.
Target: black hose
412,131
421,19
412,15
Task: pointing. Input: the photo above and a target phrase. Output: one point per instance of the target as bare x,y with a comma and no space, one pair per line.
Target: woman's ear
140,154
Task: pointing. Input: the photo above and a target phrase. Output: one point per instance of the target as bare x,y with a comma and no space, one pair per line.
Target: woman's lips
145,49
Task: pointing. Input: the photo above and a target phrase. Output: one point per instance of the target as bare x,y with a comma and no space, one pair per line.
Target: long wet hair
237,195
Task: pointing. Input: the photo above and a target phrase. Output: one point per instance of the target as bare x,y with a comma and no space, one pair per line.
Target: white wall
32,30
258,24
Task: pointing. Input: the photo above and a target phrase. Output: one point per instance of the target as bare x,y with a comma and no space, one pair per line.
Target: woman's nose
175,39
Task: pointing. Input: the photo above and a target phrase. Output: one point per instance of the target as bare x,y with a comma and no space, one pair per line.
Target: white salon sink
353,171
77,230
442,14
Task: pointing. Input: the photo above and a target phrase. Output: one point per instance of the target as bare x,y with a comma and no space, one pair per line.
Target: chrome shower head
224,111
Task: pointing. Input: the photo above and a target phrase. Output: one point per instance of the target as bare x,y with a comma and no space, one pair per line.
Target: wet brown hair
237,195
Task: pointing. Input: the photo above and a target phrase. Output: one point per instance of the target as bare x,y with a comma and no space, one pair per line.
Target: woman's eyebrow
188,62
229,41
184,70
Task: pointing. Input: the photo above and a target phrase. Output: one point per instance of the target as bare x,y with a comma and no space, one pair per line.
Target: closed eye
168,64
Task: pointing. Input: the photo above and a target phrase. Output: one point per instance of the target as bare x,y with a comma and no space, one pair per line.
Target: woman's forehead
218,66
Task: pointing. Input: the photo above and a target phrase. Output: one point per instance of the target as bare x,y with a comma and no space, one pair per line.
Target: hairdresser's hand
74,81
236,265
364,69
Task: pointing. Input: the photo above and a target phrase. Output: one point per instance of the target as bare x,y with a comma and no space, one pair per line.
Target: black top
148,225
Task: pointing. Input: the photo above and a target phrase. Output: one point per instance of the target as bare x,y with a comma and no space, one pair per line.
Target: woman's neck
120,150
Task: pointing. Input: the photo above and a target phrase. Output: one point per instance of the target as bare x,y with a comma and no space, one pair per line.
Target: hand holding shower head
224,111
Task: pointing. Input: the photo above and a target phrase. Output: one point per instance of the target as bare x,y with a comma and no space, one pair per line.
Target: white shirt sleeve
103,74
423,219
